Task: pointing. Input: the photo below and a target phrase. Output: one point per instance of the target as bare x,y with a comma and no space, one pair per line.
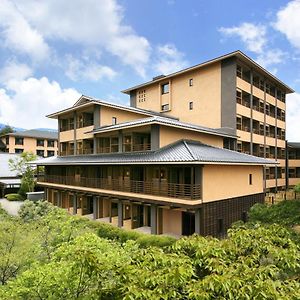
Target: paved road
12,207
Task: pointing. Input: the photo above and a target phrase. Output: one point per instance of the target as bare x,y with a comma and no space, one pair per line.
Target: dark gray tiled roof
52,135
181,152
294,144
167,122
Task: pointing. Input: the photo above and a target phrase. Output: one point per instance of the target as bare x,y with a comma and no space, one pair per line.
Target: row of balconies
243,98
258,81
243,123
151,187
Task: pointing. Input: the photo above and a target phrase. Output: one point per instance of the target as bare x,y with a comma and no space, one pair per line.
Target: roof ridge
188,149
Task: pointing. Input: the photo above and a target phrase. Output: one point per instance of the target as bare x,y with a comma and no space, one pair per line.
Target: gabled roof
239,54
167,122
85,101
180,152
34,133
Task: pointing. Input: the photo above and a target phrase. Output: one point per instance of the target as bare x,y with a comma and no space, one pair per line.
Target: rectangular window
165,107
165,88
191,82
50,143
250,179
19,141
239,123
7,140
239,71
40,143
191,105
40,153
50,153
19,150
239,96
114,121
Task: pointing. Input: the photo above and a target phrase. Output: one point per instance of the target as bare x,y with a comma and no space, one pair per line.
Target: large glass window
19,141
165,88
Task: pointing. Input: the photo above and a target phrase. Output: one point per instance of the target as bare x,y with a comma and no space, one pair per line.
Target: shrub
284,213
33,210
14,197
111,232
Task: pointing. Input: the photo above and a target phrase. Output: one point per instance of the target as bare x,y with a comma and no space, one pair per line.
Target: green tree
24,169
6,129
17,248
297,189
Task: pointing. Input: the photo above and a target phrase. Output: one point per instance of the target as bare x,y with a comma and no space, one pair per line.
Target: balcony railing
85,123
154,187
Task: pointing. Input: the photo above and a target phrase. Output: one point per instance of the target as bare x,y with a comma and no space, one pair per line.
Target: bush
33,210
284,213
111,232
14,197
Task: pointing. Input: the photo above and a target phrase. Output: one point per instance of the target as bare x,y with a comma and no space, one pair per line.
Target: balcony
153,187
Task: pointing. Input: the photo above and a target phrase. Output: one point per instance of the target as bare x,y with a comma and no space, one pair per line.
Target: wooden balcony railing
154,187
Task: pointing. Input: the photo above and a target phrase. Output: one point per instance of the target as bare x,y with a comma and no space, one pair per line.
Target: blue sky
52,51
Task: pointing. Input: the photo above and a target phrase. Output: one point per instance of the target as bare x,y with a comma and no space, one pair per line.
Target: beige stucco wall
222,182
106,114
169,135
172,220
205,95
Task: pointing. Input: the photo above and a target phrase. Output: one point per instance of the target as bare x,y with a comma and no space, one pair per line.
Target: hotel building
42,143
189,154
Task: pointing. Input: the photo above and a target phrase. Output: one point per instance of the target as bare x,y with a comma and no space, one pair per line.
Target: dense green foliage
285,213
297,188
14,197
20,164
115,233
48,254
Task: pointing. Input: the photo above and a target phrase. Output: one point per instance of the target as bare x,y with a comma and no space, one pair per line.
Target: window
191,82
50,143
19,141
114,120
142,96
250,179
7,140
165,107
239,123
40,153
239,71
191,105
239,96
165,88
19,150
50,153
40,143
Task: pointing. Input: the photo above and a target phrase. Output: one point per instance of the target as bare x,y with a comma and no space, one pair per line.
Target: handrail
153,187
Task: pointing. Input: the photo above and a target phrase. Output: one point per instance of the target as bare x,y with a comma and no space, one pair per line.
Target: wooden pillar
120,213
153,219
198,221
59,200
95,207
75,204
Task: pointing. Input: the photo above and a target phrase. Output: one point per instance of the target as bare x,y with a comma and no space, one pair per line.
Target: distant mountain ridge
23,129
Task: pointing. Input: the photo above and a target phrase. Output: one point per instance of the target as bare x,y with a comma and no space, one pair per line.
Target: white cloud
18,35
270,57
14,71
292,120
88,23
288,22
26,102
169,59
85,70
253,36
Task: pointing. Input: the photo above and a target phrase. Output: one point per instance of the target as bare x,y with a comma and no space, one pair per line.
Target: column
153,219
120,213
120,137
75,131
198,221
74,204
95,207
59,202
